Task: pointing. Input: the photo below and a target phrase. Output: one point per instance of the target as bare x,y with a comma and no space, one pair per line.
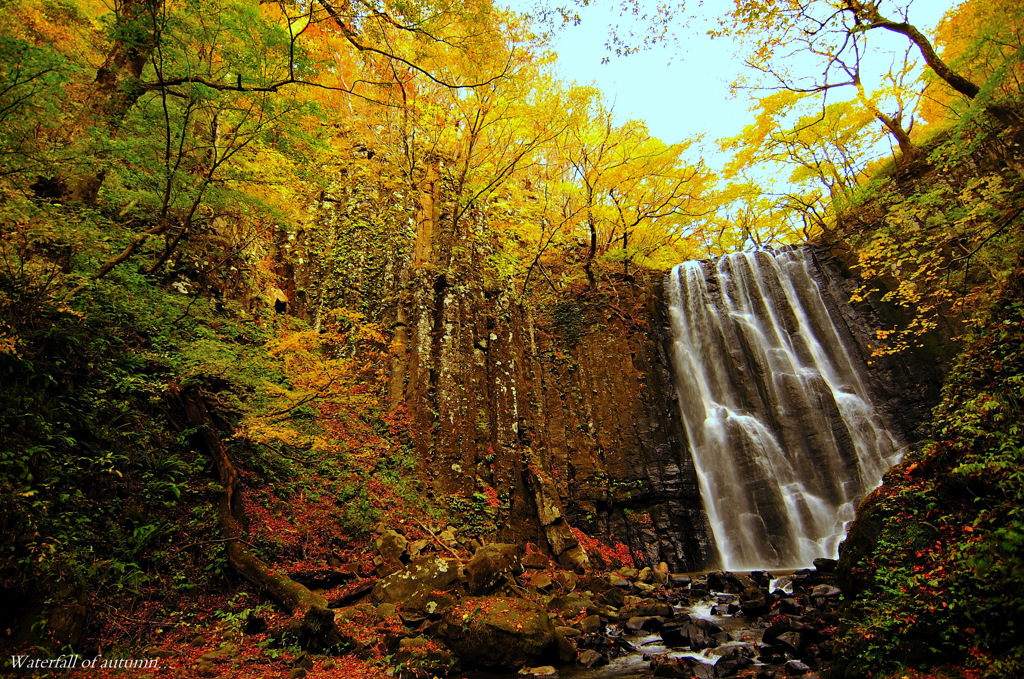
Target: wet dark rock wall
568,411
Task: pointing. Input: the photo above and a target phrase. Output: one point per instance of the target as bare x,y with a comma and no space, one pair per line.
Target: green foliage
945,580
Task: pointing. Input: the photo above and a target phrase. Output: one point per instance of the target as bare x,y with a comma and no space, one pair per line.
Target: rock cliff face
569,413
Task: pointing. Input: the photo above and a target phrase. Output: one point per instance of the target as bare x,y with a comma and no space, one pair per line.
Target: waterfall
783,434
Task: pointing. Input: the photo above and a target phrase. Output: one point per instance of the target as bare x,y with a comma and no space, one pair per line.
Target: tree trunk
869,14
426,214
588,266
892,123
399,348
117,85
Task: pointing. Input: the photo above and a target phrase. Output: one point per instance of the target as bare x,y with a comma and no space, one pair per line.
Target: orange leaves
334,374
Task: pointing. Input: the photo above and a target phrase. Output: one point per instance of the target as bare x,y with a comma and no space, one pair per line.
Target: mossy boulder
498,632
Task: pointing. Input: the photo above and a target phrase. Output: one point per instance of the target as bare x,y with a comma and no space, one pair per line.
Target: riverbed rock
645,609
679,580
729,666
822,592
755,602
591,658
498,632
788,625
722,581
645,623
686,634
796,668
591,623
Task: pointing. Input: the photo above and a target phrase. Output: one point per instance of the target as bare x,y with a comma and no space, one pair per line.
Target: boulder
204,668
684,668
722,581
535,560
606,612
651,608
570,605
591,658
822,592
644,623
755,601
796,668
786,624
67,624
417,581
591,623
727,667
618,581
679,580
421,657
490,564
567,581
686,634
791,641
613,597
226,652
416,548
391,545
542,580
542,672
566,649
500,633
823,565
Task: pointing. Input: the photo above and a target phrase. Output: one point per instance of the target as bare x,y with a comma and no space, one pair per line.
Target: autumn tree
983,40
836,32
631,186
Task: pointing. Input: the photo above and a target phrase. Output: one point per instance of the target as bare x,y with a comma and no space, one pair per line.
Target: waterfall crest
782,430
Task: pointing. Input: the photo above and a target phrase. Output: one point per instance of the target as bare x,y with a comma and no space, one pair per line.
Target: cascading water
784,436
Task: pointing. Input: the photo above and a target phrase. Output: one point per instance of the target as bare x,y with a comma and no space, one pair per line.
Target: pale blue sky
683,90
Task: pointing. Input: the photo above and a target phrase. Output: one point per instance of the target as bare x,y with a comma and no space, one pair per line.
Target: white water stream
784,436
